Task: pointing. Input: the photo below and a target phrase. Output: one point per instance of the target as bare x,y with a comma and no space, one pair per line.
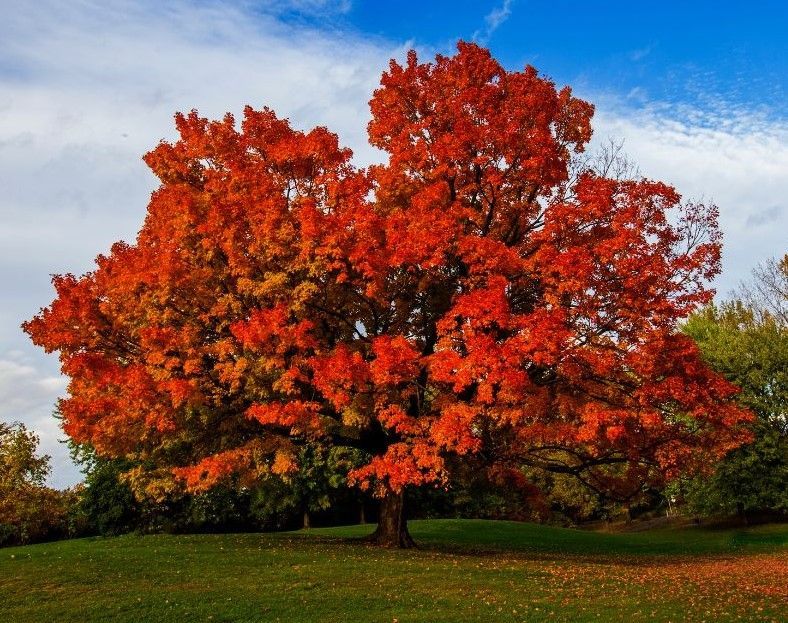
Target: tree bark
392,530
307,522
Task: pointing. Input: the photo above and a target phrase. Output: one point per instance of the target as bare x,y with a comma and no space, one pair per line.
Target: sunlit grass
463,571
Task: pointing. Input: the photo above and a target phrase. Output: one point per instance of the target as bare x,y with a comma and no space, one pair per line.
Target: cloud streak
493,20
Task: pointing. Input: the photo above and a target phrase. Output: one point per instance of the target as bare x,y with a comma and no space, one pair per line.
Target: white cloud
28,394
736,158
23,387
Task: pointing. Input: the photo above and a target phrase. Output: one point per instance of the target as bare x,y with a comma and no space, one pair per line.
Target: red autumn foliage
468,294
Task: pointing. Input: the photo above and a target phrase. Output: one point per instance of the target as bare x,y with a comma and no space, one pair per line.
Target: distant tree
747,341
319,483
766,292
467,296
29,510
106,501
20,465
567,497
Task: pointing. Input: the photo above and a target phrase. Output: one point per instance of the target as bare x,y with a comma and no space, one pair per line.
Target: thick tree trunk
307,522
392,530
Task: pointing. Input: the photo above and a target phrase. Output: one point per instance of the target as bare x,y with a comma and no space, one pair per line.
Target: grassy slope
464,571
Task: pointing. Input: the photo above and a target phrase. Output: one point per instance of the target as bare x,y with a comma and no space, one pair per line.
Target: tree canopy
746,340
477,293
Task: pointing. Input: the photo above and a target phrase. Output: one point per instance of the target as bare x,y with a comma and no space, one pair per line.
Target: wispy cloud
308,6
493,20
767,216
640,53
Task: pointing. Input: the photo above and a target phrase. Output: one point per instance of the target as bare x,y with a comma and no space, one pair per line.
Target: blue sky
697,51
696,90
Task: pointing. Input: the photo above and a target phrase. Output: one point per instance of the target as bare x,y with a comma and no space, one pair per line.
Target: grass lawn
464,571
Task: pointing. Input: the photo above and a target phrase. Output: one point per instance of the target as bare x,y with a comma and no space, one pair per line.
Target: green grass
463,571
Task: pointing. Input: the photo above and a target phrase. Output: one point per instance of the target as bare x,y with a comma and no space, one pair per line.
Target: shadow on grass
493,538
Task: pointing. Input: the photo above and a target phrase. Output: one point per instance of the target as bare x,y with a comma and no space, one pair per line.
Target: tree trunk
307,522
742,513
392,530
362,516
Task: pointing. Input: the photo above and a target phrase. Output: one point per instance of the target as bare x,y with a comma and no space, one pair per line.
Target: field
463,571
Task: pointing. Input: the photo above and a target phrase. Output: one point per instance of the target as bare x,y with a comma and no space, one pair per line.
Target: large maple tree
478,294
